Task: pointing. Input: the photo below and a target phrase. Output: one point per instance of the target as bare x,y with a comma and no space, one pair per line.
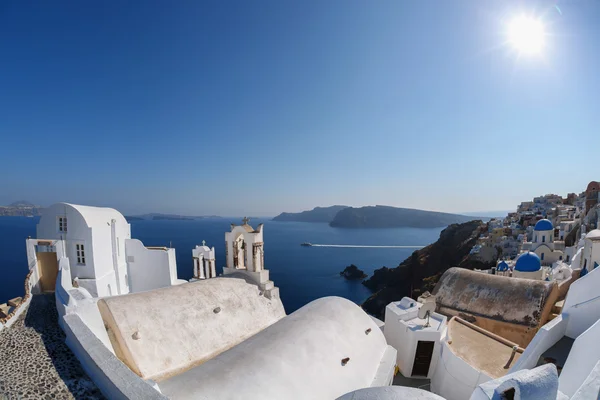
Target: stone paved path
35,362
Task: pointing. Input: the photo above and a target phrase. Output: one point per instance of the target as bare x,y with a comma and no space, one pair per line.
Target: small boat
307,244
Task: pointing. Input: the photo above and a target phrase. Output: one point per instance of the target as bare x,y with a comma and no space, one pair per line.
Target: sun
526,35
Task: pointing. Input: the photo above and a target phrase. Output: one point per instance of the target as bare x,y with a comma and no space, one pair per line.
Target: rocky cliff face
421,271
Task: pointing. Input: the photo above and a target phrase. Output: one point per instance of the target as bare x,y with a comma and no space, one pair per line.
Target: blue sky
238,108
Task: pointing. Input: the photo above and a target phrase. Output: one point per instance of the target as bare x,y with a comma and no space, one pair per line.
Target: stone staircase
269,290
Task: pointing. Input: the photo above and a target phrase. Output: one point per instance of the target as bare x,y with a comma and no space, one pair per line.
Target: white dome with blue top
544,225
528,262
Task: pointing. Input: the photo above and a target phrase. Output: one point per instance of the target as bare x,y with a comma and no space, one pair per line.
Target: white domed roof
593,234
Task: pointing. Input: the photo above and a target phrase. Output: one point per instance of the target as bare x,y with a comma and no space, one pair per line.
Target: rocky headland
421,271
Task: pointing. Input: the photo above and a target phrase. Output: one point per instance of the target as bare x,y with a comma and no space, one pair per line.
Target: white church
141,332
543,244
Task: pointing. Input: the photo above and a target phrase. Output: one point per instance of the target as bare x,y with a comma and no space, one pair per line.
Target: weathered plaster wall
299,357
165,331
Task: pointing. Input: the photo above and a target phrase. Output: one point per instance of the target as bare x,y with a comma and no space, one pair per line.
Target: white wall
550,256
77,232
537,275
546,337
583,303
102,232
539,235
149,269
78,300
591,387
454,378
110,375
591,254
582,359
405,340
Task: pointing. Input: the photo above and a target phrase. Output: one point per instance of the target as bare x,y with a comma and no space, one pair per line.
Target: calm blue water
302,273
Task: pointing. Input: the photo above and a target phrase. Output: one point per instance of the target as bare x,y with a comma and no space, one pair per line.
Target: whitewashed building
140,332
417,340
103,259
591,251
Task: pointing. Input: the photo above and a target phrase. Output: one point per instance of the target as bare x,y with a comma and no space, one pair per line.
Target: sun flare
526,35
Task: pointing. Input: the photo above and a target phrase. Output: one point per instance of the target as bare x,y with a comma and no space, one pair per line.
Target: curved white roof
181,326
593,234
299,357
390,393
97,215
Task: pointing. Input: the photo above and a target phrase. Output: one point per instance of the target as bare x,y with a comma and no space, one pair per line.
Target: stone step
15,302
557,308
268,285
272,293
4,310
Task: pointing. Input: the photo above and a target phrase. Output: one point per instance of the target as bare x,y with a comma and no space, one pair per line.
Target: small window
62,224
80,254
542,256
568,256
543,238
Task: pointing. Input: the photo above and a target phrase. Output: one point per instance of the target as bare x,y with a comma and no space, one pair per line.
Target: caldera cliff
421,271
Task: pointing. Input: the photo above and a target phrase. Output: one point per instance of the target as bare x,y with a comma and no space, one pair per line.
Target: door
422,358
48,270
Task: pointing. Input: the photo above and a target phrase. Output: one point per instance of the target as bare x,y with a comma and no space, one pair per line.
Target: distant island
375,217
394,217
166,217
172,218
20,208
317,214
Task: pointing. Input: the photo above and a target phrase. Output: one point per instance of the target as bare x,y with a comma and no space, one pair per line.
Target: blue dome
544,225
503,266
528,262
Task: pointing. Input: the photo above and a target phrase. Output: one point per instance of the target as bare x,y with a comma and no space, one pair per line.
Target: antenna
425,312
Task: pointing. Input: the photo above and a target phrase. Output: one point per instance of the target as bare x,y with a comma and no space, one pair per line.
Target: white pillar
200,269
205,267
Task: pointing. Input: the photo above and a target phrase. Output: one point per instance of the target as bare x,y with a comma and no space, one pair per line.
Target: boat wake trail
366,246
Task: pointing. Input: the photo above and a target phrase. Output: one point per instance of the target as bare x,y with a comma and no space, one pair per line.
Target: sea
302,273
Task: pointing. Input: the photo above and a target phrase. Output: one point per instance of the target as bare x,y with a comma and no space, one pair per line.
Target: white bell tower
204,262
244,252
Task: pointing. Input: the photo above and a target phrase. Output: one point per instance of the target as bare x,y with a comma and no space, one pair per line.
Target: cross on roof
204,243
246,220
